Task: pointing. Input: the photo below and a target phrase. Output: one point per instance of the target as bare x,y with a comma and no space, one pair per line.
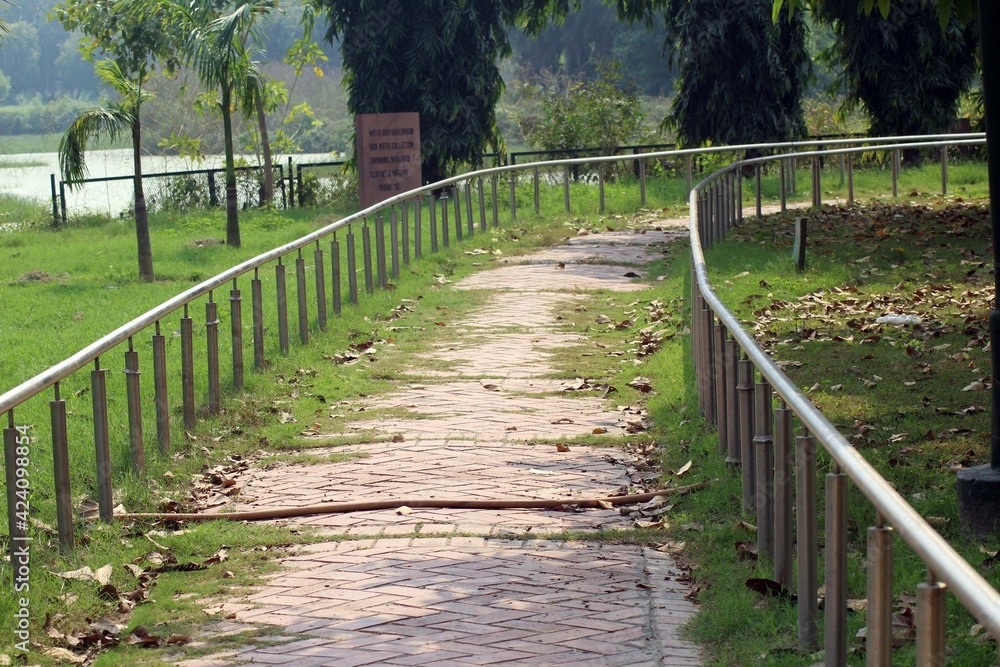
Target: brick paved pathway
472,588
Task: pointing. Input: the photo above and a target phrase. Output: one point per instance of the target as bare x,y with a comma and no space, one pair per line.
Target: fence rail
736,380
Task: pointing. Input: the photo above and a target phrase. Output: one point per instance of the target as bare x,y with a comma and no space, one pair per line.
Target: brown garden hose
369,505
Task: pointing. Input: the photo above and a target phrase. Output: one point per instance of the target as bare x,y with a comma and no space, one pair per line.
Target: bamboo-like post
366,248
257,312
783,496
160,392
335,278
394,243
236,334
187,370
931,606
282,294
806,541
212,337
878,633
134,399
320,268
60,467
835,636
352,268
434,231
16,452
102,448
763,442
380,259
405,232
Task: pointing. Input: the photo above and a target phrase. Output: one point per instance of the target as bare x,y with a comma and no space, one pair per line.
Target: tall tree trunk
232,205
141,217
268,194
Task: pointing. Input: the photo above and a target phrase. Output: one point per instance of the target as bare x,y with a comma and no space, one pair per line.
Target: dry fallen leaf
562,448
404,510
684,468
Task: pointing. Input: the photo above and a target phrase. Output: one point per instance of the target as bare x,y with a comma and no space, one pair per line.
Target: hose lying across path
369,505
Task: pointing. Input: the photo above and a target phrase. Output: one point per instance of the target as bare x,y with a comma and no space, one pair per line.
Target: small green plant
605,113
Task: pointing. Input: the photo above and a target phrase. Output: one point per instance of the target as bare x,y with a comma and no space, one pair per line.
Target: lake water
112,197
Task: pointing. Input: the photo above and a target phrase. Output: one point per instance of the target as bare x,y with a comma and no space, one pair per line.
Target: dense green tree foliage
741,75
905,71
436,57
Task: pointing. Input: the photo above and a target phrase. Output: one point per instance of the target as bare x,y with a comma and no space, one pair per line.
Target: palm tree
220,49
113,120
221,56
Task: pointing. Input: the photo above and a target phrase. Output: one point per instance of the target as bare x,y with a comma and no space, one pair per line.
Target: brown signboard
388,152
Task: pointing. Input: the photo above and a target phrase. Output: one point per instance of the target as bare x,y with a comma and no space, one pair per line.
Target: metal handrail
974,592
17,395
970,588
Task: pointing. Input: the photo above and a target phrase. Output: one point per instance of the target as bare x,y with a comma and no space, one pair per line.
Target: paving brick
479,592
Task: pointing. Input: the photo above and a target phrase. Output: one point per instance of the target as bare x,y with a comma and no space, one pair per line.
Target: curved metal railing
736,380
715,206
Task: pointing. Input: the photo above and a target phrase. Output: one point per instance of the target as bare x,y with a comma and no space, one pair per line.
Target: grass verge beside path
736,626
912,398
75,282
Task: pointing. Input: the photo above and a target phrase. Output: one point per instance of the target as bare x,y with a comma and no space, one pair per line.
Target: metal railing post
757,170
600,189
931,606
257,314
495,192
944,170
566,188
470,222
835,635
187,370
806,541
102,447
784,200
482,205
159,391
513,197
458,211
763,442
642,183
236,334
878,633
282,295
783,497
732,402
418,228
60,467
212,338
445,233
394,244
895,172
352,268
534,181
380,262
747,454
721,393
134,400
405,234
320,268
335,277
366,252
850,179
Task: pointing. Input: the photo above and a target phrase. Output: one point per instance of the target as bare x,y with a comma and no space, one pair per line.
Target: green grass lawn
63,289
